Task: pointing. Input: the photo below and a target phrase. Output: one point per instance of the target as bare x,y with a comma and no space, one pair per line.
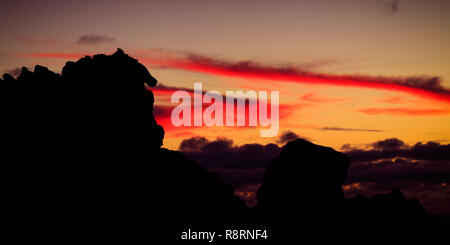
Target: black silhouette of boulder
72,136
67,137
8,78
389,210
303,184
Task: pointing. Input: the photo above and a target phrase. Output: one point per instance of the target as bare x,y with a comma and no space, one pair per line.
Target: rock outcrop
389,210
303,184
70,137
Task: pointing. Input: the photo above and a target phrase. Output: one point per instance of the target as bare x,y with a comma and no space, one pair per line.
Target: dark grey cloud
420,170
395,148
390,7
93,39
194,144
222,153
241,166
287,136
392,143
201,144
350,129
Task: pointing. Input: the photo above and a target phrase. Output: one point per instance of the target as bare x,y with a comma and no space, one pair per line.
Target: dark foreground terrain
76,158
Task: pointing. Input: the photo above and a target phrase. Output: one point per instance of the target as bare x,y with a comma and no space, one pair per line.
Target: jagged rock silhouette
71,134
68,136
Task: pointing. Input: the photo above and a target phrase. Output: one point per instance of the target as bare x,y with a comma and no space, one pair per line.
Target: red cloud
161,89
313,97
422,86
163,112
396,100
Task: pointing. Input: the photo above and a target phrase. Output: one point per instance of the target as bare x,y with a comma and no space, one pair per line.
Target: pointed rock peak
119,52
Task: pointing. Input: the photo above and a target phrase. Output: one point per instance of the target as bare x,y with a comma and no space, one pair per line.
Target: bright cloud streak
422,86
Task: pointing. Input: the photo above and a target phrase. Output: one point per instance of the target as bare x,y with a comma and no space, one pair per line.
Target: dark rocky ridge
72,135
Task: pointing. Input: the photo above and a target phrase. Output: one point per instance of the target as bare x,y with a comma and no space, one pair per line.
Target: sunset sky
349,72
364,38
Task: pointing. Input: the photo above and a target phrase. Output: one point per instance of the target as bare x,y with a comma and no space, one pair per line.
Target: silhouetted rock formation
40,75
303,185
189,196
195,195
69,135
155,133
68,138
392,209
8,78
